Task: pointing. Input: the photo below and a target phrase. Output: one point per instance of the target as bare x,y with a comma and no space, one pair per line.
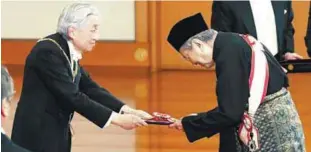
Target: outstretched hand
292,56
139,113
128,121
176,125
142,114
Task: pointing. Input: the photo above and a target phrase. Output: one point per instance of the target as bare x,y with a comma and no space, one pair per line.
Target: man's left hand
177,125
142,114
292,56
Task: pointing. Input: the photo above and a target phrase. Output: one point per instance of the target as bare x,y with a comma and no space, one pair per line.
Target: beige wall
35,19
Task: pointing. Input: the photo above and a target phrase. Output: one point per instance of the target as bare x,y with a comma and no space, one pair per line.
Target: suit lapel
247,17
64,45
78,74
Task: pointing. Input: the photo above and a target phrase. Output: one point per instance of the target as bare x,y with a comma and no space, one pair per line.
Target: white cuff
112,116
125,109
2,131
193,114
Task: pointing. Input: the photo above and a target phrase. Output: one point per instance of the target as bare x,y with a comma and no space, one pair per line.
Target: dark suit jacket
8,146
51,94
237,16
308,34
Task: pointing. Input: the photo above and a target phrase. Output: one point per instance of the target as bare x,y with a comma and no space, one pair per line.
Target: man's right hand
128,121
292,56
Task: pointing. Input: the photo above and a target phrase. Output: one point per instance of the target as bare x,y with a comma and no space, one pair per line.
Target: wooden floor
175,92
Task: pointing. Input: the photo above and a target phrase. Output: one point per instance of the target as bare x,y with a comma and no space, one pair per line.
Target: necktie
75,68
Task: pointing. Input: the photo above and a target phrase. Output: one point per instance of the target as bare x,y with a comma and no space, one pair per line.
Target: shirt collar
2,130
74,54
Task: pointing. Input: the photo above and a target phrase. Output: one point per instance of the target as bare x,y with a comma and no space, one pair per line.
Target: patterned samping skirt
278,124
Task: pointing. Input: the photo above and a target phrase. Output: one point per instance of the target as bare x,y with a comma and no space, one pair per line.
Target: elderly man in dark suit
55,86
7,93
268,21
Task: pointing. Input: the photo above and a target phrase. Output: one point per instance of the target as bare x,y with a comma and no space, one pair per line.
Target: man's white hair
203,36
75,15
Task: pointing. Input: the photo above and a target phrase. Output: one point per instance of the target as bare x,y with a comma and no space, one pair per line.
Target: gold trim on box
290,67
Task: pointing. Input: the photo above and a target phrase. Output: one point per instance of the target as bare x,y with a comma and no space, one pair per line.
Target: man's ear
3,110
71,32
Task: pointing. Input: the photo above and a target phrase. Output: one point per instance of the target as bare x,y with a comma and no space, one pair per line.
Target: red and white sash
258,84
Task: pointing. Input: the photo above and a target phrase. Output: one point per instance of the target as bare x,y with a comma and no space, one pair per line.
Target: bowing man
255,110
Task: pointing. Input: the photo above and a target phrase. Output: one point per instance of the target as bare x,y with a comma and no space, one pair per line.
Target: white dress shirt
2,131
264,20
76,56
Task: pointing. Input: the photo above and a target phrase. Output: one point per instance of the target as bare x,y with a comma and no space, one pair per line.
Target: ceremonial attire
8,146
54,87
270,22
276,119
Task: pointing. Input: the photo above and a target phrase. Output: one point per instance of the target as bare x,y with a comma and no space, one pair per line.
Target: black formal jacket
308,34
8,146
237,16
232,56
51,94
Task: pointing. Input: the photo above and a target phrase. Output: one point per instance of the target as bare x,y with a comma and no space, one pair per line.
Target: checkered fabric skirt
279,125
